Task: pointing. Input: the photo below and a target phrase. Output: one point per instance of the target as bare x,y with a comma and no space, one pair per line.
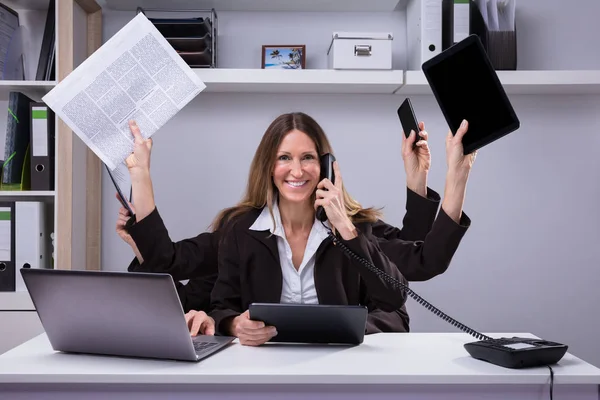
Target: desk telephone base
517,352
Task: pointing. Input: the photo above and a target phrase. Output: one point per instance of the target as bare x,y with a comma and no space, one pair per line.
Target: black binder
15,175
47,52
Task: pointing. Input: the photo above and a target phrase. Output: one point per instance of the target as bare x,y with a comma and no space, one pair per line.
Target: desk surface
388,358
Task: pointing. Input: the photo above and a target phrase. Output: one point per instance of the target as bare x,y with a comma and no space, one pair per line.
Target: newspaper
135,75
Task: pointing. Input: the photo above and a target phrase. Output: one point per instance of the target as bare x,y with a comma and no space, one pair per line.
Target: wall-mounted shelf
300,81
34,89
27,193
523,82
261,5
16,301
386,82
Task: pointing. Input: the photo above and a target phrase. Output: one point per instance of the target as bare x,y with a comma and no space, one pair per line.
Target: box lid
364,35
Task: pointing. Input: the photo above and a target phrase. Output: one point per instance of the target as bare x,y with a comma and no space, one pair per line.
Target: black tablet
466,86
313,323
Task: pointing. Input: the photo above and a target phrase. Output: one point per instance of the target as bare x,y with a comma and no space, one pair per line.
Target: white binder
423,31
30,239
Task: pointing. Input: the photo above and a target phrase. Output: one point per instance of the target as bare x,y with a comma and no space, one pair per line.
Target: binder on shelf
30,239
45,63
447,24
460,20
42,140
499,44
424,31
15,169
7,247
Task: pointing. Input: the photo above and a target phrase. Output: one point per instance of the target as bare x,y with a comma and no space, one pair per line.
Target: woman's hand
417,160
122,220
139,160
459,166
122,231
249,332
459,163
331,198
199,323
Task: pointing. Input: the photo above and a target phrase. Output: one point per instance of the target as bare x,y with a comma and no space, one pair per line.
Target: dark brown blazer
250,271
196,258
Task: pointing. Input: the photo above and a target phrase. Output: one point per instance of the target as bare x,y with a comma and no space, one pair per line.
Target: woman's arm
186,259
459,167
433,253
418,219
148,236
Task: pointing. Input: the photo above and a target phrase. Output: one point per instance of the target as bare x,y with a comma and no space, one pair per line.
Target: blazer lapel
270,241
274,268
323,279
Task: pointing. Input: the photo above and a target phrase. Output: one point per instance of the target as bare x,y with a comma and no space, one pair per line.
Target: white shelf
300,81
27,193
16,301
34,89
260,5
523,82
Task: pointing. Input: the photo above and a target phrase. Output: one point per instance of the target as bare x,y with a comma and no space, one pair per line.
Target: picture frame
283,56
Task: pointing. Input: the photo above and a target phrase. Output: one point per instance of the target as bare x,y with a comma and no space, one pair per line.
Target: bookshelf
34,89
78,32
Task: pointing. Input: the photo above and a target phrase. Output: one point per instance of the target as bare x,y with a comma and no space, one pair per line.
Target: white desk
385,366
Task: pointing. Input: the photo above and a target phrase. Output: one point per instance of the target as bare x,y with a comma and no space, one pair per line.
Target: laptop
128,314
313,323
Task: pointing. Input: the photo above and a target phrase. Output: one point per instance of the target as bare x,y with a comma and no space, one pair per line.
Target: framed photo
283,57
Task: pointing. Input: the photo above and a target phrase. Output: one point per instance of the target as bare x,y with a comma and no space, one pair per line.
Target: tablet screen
465,88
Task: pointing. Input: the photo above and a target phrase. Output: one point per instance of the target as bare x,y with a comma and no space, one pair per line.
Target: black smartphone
407,118
326,161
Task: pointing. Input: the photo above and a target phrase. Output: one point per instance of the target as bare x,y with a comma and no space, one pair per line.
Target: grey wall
529,261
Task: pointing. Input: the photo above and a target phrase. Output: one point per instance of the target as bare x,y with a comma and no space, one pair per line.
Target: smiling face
297,169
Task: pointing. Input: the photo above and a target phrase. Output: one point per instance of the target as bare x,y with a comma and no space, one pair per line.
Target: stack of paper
135,75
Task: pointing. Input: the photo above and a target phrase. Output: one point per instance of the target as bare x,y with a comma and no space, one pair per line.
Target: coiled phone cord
409,291
417,298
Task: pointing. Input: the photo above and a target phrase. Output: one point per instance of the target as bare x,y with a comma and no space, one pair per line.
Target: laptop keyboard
202,346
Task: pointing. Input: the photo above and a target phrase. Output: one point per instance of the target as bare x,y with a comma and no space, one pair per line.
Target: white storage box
360,50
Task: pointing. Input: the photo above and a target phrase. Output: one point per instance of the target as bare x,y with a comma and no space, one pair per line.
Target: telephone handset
326,162
512,352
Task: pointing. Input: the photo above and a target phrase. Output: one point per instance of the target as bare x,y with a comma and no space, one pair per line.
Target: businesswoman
274,249
196,258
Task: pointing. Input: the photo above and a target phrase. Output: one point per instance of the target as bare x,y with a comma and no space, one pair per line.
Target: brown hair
261,191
